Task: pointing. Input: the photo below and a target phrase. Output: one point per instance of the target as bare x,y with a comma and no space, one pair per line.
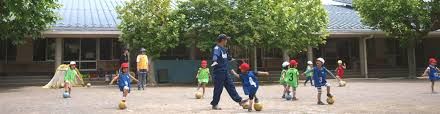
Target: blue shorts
250,90
434,78
121,88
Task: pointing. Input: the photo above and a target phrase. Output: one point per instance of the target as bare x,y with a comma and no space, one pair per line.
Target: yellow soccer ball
199,95
342,83
331,100
258,106
122,105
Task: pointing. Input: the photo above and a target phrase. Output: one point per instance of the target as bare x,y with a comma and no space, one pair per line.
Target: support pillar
363,57
58,52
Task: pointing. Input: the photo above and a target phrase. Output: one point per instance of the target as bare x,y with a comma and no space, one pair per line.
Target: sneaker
330,95
242,102
139,88
250,108
320,103
284,96
294,99
216,107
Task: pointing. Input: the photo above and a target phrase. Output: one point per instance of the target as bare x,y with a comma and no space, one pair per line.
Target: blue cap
223,36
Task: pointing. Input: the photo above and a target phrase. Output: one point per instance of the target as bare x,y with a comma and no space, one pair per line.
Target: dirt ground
359,96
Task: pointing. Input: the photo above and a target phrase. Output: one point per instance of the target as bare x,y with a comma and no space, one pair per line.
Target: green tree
21,19
298,25
150,24
291,25
203,20
409,21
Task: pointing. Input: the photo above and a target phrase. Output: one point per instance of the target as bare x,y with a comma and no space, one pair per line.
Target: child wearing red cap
292,77
203,76
433,72
124,80
249,81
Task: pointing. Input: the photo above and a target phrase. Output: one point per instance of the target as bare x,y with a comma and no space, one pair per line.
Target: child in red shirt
340,69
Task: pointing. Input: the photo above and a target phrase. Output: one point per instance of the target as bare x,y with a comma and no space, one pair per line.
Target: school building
88,34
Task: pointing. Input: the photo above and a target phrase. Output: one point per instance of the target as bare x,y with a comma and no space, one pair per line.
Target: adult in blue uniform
220,60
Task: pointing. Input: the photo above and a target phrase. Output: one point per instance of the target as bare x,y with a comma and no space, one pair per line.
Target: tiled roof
87,15
100,15
344,19
345,1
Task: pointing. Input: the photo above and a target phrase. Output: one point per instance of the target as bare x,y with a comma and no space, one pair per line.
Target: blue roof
345,1
344,19
87,15
101,15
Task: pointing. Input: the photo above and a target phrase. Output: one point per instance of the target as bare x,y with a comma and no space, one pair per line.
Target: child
69,77
291,78
432,71
319,77
124,81
203,76
249,81
340,69
285,67
310,74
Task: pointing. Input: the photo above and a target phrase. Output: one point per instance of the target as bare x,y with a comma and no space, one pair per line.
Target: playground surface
359,96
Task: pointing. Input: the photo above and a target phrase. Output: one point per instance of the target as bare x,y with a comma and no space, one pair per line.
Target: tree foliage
286,24
403,19
21,19
203,20
150,24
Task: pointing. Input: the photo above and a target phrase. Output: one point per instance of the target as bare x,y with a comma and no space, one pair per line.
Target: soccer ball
199,95
289,97
89,85
342,83
258,106
245,106
330,100
122,105
66,95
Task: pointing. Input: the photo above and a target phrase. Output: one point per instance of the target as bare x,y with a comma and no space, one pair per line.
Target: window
3,51
8,51
105,52
88,49
110,49
117,49
71,49
39,50
44,50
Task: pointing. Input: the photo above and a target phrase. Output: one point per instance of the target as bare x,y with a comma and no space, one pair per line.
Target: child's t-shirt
319,76
250,82
291,77
70,75
283,73
203,73
340,70
124,79
308,71
433,73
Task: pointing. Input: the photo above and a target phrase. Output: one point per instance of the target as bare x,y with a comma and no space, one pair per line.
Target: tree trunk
411,59
151,74
192,51
254,58
286,55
